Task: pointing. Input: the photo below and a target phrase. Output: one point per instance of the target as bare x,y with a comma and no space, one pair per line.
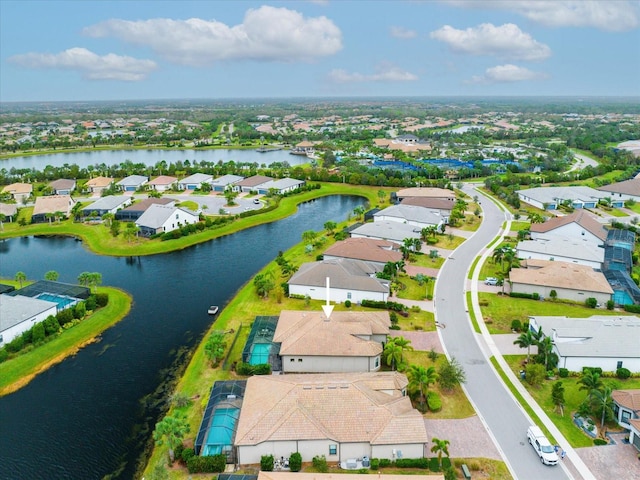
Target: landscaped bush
597,370
591,302
177,452
320,464
516,325
385,462
446,463
247,369
394,306
434,465
623,373
102,299
347,303
90,303
375,464
600,441
214,464
610,304
434,401
64,316
563,372
187,453
412,463
38,333
295,462
522,295
632,308
266,463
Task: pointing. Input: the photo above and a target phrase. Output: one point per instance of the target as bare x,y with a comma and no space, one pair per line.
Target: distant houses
108,204
46,208
550,198
162,183
365,249
132,183
63,186
20,192
164,218
97,184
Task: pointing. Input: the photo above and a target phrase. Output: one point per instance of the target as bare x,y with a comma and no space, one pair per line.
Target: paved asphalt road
504,417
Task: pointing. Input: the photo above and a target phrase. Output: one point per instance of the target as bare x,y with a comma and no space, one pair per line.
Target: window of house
626,416
299,360
292,360
619,364
349,295
377,362
333,449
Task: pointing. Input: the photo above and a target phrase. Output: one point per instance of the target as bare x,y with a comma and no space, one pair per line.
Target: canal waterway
90,416
151,157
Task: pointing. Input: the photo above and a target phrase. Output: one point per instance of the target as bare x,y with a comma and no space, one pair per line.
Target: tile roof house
608,342
562,249
97,184
365,249
18,314
570,281
250,184
579,224
9,210
224,182
193,182
444,206
626,407
108,204
550,198
352,280
386,230
132,183
419,217
63,186
626,190
341,416
45,207
164,218
18,191
280,186
134,211
345,342
162,183
425,192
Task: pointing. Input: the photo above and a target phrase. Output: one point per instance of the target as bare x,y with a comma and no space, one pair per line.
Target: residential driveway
612,461
422,341
467,437
505,345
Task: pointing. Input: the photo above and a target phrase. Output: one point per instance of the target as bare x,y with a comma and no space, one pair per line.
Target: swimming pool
260,353
63,302
221,430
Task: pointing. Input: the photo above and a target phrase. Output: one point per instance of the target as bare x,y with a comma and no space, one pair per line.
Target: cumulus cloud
383,73
403,33
616,16
91,65
506,41
507,74
266,33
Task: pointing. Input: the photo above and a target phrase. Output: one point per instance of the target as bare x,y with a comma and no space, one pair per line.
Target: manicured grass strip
472,315
473,267
17,372
521,400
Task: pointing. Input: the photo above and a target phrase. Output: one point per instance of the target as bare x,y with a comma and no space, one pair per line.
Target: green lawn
19,371
412,290
498,310
635,207
573,398
517,226
424,260
614,212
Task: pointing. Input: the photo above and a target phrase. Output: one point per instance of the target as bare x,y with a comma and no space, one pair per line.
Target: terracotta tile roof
99,182
580,216
431,192
628,187
562,275
627,398
53,204
163,180
429,202
348,407
18,188
367,249
344,334
253,181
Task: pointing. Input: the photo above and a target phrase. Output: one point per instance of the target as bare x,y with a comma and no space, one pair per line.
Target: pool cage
219,422
53,288
259,348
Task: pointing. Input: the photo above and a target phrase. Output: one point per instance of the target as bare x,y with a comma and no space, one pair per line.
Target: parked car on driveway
491,281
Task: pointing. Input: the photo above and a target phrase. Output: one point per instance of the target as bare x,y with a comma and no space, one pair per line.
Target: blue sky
111,50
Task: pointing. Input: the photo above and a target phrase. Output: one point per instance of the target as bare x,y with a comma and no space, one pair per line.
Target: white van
542,446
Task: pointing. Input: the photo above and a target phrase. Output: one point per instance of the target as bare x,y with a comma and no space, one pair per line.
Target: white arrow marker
327,308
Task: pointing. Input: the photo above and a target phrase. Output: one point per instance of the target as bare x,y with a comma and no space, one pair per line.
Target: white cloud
507,74
617,16
384,73
403,33
91,65
506,41
267,33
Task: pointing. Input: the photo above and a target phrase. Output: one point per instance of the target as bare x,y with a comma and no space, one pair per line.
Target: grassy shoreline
98,239
19,371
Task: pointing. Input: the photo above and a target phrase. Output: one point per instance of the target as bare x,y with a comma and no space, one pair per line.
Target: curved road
505,419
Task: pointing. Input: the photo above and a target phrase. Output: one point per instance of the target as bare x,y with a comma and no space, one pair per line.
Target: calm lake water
92,415
151,157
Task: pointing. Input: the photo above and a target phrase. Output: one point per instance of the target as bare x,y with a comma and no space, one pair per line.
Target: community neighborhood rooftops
561,248
18,310
18,190
194,181
132,182
98,183
430,192
578,223
607,338
344,408
562,275
53,204
133,212
310,333
63,186
164,218
344,274
163,182
366,249
386,230
251,183
224,181
626,190
429,202
281,185
550,198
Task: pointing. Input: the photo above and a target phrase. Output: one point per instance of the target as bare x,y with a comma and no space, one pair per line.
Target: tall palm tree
591,382
498,255
602,400
404,344
20,277
51,275
526,340
440,447
392,354
420,378
545,348
171,430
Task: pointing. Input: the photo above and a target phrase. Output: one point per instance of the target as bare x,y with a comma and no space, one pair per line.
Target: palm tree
557,396
3,217
498,255
359,211
172,430
51,275
526,340
440,447
591,382
535,217
84,278
20,277
392,354
420,378
601,400
404,344
545,348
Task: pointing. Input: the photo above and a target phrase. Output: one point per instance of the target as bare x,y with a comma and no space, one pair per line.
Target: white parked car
542,446
491,281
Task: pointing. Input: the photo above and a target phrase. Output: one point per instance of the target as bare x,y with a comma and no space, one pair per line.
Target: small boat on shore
213,309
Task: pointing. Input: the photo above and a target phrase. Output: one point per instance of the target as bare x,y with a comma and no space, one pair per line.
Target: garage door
130,189
636,440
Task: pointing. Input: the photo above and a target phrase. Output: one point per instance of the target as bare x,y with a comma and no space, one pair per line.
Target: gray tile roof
107,203
156,215
365,249
558,194
596,336
226,180
560,246
133,180
196,178
628,187
411,213
16,309
583,218
387,230
343,273
565,275
253,181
